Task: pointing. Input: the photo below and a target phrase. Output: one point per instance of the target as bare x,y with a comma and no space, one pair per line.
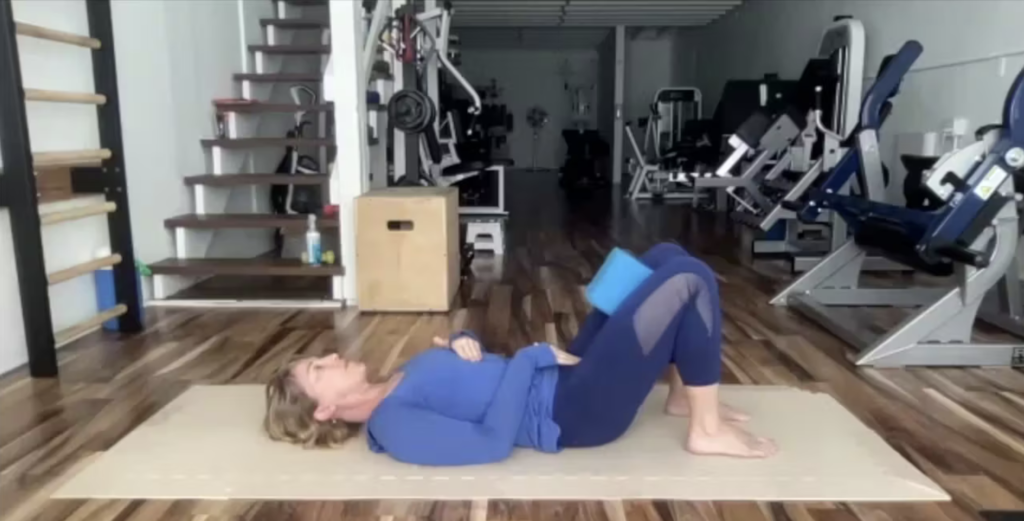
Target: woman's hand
465,346
564,357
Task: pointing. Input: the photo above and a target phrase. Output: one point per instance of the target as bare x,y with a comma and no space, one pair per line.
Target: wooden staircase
253,87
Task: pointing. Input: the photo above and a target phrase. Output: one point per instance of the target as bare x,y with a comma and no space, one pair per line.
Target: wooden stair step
281,77
291,49
253,142
247,220
257,106
256,179
259,266
294,23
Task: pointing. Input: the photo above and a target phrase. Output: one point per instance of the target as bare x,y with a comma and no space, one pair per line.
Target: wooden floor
962,427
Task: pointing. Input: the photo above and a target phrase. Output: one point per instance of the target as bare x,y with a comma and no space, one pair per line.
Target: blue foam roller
620,274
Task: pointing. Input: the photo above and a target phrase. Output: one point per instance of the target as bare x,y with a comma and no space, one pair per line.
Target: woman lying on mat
456,405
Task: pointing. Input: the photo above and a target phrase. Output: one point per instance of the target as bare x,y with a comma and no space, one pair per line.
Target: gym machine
970,239
828,95
666,145
1004,306
830,84
419,40
761,141
672,109
740,101
425,152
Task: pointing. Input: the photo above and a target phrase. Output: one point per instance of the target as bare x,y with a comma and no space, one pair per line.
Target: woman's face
331,381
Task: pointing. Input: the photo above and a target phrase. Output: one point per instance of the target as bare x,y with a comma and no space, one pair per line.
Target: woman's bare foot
679,405
729,440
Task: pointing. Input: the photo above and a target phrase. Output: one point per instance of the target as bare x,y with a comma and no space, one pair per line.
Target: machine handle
979,134
963,255
817,117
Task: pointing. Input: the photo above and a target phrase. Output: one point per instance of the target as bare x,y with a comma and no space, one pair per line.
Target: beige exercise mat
207,444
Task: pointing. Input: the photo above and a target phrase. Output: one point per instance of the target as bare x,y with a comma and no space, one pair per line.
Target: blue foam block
106,297
620,274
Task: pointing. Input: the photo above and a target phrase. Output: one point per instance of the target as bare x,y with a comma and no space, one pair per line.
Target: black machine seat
917,196
754,128
891,239
894,240
464,167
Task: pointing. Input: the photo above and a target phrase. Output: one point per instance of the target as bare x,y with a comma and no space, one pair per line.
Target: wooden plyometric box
407,249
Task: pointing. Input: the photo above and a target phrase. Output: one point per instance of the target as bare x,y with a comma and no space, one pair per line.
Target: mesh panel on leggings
655,314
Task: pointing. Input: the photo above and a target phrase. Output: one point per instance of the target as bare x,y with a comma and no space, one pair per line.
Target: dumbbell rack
99,171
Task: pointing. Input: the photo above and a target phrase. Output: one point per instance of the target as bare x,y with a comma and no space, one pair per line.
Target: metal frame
774,144
846,37
674,122
939,333
409,80
18,188
644,172
104,67
18,195
1004,309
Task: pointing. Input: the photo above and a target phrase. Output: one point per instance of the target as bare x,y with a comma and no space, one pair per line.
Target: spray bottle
312,242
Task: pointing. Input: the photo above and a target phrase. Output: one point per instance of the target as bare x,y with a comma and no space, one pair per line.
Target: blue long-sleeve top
449,411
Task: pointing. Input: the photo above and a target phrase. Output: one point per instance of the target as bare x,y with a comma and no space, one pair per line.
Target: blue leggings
674,317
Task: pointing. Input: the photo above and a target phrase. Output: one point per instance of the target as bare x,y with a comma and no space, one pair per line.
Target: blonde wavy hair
290,418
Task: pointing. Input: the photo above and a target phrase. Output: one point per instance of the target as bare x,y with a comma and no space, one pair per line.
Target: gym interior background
175,57
185,52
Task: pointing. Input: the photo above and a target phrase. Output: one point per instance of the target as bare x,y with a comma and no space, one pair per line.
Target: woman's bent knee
657,312
661,253
689,265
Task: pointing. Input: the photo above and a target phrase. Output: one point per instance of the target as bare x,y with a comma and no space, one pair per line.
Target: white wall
346,85
649,66
143,48
53,126
536,77
685,48
606,87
